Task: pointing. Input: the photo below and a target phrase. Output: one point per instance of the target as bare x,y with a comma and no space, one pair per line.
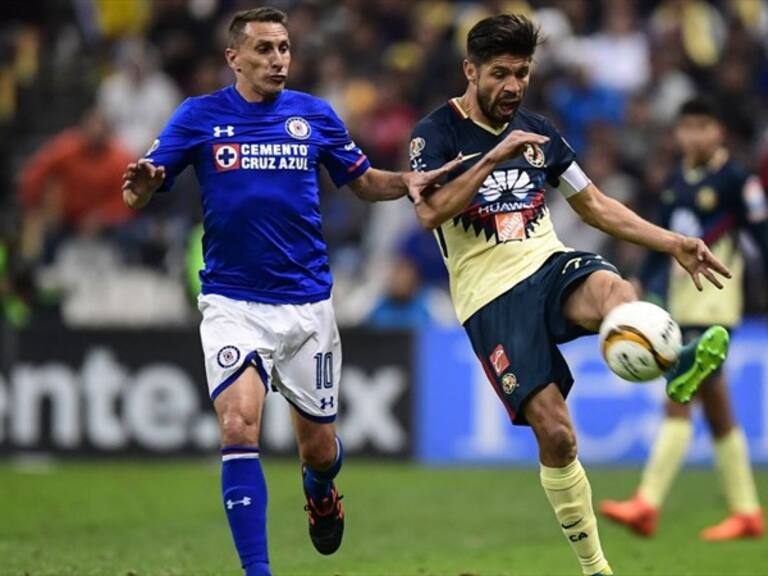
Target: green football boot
696,361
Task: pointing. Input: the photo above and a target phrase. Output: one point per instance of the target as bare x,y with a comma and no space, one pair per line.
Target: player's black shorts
515,336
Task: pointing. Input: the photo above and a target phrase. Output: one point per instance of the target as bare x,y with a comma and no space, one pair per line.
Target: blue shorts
515,336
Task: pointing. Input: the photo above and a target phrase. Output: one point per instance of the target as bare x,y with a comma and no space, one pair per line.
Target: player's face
500,86
262,59
698,136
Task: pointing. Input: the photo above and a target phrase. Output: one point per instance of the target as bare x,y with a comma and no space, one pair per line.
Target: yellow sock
666,457
732,461
570,495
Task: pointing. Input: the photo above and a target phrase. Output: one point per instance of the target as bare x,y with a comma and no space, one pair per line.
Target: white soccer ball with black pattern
639,341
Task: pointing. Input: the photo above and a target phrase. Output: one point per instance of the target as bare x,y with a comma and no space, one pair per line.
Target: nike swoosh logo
567,526
469,156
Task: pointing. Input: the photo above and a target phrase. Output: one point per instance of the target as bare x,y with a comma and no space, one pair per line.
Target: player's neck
251,95
712,161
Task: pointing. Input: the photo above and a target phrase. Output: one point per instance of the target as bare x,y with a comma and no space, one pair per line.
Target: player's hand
141,179
514,144
422,184
694,255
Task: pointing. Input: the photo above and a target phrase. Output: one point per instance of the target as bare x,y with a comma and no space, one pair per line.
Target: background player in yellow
712,197
516,288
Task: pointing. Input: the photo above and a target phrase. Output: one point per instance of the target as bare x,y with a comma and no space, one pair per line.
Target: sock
245,503
317,483
732,461
570,495
666,457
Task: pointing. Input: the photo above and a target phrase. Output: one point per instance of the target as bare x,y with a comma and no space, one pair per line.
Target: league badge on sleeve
228,356
298,128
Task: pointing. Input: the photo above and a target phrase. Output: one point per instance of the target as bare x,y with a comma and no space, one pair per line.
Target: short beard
486,107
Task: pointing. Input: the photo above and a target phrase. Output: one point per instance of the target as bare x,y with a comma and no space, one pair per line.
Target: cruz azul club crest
298,128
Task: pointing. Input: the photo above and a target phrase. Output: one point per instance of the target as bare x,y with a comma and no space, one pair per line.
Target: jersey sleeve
563,172
343,159
173,147
753,208
429,147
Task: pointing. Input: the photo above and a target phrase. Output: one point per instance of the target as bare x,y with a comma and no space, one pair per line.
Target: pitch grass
151,519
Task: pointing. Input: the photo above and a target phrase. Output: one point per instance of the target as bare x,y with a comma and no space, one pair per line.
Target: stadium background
101,380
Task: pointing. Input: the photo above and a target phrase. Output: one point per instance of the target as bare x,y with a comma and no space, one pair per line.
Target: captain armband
572,181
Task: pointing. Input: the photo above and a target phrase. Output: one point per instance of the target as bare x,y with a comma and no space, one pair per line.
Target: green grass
147,519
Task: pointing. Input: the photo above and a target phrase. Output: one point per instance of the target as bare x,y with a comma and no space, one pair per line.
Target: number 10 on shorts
323,370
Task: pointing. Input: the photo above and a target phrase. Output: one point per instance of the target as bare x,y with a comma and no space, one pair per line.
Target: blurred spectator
72,185
617,56
405,303
138,98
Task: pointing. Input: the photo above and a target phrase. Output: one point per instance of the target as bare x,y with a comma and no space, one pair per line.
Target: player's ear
470,71
230,54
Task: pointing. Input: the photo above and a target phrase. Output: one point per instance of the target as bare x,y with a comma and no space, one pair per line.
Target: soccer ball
639,341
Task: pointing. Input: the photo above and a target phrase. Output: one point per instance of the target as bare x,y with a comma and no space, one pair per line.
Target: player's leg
603,290
322,455
244,489
733,466
308,366
641,512
564,479
237,377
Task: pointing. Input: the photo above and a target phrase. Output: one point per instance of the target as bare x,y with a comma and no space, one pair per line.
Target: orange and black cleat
326,522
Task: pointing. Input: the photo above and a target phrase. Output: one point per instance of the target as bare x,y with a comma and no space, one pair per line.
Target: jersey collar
456,105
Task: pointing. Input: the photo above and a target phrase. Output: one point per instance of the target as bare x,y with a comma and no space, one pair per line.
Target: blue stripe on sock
239,448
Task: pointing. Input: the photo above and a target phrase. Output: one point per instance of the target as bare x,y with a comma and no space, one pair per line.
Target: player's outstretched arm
140,180
376,185
612,217
439,205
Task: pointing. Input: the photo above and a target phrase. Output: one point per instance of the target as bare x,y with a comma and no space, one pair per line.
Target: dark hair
241,19
503,34
699,106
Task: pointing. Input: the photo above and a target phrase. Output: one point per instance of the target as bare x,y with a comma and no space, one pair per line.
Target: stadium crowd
86,85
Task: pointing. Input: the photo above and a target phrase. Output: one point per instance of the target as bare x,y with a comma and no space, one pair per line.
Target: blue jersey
257,164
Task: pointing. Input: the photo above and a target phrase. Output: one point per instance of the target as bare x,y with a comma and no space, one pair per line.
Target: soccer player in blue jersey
267,316
517,289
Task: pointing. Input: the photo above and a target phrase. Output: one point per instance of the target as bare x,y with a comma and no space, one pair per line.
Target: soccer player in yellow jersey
712,197
516,288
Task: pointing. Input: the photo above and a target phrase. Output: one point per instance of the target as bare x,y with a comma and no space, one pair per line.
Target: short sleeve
343,159
173,147
560,155
753,202
428,148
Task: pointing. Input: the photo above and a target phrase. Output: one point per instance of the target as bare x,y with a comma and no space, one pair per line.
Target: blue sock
245,503
317,483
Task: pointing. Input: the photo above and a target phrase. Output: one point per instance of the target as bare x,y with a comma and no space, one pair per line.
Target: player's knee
559,441
239,428
318,453
620,292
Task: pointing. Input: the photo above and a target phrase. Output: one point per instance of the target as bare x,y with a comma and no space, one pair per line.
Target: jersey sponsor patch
510,226
298,128
226,157
499,360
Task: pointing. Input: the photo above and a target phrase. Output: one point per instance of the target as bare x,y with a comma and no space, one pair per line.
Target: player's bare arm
376,185
140,181
449,200
612,217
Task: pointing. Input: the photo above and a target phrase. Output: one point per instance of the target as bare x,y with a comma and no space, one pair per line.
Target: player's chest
284,145
705,197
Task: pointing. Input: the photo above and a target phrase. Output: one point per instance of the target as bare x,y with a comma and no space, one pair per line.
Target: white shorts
295,348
